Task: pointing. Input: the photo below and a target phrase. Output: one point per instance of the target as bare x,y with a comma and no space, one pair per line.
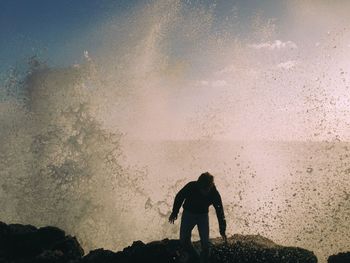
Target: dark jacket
198,203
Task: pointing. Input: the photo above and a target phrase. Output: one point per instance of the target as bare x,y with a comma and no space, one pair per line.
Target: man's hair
205,180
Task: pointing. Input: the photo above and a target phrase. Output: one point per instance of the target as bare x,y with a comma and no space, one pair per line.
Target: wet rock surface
255,248
26,243
340,258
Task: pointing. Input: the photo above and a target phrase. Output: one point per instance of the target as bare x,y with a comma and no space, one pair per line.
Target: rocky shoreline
27,244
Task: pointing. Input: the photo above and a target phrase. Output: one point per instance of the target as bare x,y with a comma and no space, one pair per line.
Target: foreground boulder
239,248
340,258
28,244
257,249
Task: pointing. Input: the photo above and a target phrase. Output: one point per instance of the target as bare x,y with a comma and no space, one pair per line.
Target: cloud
228,69
213,83
287,64
218,83
275,45
234,70
203,83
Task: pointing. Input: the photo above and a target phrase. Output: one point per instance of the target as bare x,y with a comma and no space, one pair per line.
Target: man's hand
223,235
224,238
172,218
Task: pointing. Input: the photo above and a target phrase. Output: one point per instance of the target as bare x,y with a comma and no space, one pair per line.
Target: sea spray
101,147
58,165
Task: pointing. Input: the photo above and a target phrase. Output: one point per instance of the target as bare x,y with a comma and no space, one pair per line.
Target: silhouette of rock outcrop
255,248
27,244
340,258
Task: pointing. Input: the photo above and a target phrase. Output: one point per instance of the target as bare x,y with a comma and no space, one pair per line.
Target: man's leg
203,229
188,221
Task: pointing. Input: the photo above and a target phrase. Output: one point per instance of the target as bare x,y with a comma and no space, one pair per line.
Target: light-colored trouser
188,222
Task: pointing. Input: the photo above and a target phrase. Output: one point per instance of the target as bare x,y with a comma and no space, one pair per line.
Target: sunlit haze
107,111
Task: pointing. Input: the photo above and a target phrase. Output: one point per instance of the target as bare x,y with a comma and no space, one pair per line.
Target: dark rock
3,239
257,249
103,256
22,242
251,249
70,248
50,235
26,243
340,258
50,256
157,251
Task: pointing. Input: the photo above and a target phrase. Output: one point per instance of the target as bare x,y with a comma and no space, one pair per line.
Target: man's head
205,182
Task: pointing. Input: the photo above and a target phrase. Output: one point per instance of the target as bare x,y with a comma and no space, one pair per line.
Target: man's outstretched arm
179,199
220,214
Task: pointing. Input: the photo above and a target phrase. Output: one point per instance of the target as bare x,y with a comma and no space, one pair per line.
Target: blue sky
46,27
49,28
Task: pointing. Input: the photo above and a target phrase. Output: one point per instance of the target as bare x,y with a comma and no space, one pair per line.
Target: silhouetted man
197,196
